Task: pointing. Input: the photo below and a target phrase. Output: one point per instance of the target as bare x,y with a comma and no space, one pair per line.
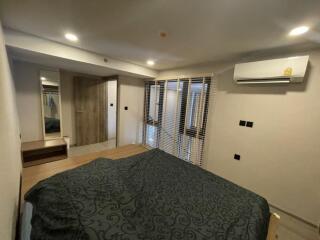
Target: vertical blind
175,116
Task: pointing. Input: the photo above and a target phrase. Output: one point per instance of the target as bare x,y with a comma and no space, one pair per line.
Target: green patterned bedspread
153,195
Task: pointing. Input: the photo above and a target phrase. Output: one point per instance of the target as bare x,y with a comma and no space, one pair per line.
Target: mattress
152,195
26,221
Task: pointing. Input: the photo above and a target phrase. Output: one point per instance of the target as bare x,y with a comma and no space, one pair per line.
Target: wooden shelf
38,152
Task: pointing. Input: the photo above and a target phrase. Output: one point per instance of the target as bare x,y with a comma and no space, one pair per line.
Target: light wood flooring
32,175
96,147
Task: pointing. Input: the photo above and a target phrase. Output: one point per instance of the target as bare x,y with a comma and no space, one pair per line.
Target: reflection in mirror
51,112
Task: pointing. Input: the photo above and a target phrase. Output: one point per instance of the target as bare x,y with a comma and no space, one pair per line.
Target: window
176,116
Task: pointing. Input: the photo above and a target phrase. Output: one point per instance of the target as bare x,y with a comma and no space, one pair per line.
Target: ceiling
129,30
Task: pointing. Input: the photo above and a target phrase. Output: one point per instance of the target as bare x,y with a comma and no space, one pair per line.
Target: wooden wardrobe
90,99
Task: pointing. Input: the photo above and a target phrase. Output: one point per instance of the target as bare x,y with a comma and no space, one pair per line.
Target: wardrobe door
90,110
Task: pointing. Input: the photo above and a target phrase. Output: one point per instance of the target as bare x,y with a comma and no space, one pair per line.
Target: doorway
112,109
95,101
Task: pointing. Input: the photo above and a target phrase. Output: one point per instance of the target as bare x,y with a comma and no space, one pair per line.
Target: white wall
27,85
28,97
130,121
26,77
280,154
112,110
10,161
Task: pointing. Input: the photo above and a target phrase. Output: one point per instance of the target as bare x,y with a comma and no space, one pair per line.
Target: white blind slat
176,115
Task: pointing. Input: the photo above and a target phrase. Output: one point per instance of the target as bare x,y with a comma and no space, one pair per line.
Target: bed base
273,226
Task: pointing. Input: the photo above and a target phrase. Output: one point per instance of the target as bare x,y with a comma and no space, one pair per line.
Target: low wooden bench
38,152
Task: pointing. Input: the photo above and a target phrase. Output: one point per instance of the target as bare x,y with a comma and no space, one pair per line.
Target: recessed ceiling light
71,37
299,31
43,78
150,62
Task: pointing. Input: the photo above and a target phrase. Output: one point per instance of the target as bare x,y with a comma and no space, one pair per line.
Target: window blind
175,116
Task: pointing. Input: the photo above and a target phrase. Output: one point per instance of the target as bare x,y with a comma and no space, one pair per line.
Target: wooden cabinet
38,152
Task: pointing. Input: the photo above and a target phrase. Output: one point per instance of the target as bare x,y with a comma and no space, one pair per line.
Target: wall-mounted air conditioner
282,70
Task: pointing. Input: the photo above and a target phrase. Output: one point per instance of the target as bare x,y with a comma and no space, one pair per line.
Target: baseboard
291,227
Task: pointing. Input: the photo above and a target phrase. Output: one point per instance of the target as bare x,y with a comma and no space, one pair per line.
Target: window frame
148,85
148,121
192,132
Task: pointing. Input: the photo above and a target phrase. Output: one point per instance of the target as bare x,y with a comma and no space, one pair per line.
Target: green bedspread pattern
152,195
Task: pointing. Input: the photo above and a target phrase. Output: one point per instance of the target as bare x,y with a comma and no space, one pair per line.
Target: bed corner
273,226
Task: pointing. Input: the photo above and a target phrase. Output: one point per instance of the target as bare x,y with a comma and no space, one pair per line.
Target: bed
152,195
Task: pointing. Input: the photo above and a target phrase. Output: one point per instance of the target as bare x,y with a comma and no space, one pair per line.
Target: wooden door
90,110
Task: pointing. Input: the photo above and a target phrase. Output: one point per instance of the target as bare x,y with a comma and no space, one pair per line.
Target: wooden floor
32,175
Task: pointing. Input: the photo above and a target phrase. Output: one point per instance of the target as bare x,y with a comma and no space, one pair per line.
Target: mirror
51,104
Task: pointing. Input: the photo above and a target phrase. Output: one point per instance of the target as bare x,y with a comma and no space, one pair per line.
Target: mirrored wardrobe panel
51,104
